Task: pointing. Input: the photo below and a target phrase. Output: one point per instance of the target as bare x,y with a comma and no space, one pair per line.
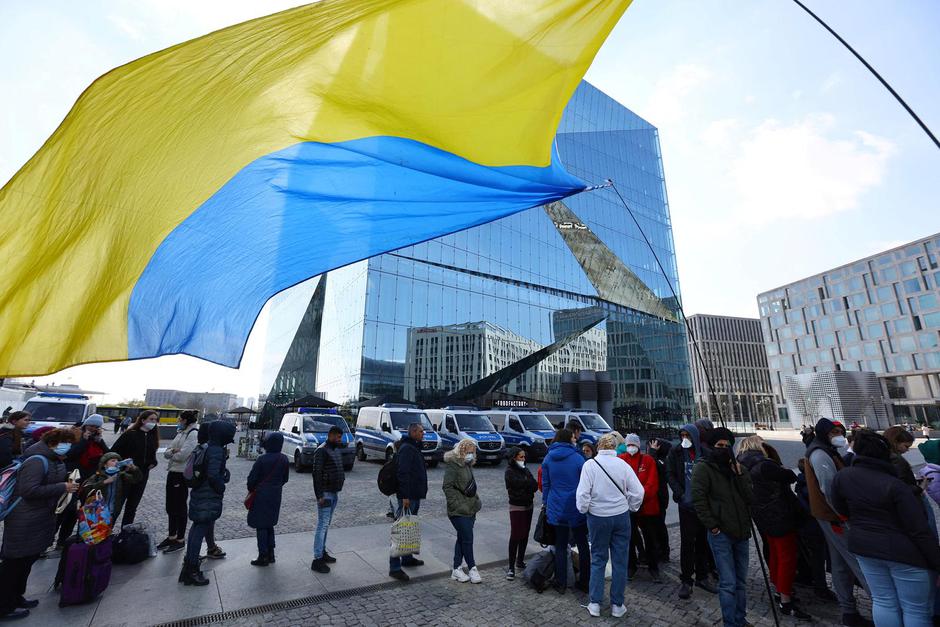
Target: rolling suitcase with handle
84,571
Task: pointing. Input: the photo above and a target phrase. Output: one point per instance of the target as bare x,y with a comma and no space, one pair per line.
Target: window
875,330
849,336
907,268
928,340
872,349
932,360
788,346
828,340
871,313
875,365
931,320
889,274
912,286
885,292
907,344
903,326
902,362
514,425
927,301
889,310
855,352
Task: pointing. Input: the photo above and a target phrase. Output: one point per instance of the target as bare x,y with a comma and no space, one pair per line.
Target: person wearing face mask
463,503
139,443
84,456
29,528
722,496
521,486
177,492
11,436
113,481
644,519
693,540
823,462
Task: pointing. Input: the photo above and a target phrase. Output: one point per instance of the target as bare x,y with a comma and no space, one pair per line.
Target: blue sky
783,156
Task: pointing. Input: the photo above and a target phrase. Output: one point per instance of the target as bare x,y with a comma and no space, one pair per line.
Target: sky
783,156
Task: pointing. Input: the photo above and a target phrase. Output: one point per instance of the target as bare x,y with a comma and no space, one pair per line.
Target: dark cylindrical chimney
587,390
569,390
605,397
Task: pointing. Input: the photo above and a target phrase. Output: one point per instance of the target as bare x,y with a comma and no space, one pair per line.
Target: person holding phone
328,479
113,479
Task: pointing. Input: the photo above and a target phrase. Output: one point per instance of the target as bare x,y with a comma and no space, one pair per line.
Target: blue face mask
112,470
62,448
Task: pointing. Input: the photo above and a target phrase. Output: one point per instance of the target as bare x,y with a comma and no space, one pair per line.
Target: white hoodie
600,496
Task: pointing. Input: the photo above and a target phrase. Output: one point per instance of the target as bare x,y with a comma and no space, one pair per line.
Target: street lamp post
832,410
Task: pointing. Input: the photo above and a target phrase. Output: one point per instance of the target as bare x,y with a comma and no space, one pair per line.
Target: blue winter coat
205,501
267,479
412,474
561,472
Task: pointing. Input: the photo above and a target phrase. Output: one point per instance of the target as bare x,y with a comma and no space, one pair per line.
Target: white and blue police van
378,428
526,428
454,424
58,409
307,429
592,425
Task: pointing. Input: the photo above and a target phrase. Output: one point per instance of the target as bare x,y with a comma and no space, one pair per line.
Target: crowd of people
855,508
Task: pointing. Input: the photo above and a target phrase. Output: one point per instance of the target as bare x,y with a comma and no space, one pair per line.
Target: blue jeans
395,563
562,535
731,560
265,537
324,517
900,594
610,538
463,547
197,534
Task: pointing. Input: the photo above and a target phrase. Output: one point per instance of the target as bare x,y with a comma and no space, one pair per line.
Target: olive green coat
457,476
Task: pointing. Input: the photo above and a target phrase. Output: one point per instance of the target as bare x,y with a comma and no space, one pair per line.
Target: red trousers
783,558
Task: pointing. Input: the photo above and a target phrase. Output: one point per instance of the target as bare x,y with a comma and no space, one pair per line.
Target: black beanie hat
720,433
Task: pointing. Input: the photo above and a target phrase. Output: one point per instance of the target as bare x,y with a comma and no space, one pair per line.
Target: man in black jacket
328,479
412,487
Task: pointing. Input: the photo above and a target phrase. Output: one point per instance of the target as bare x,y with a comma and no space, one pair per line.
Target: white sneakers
594,609
475,575
459,575
617,610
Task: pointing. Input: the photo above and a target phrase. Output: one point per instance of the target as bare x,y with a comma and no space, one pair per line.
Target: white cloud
831,82
127,26
719,133
666,104
801,170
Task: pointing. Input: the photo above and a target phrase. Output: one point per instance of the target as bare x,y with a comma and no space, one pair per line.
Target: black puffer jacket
412,474
886,520
205,500
774,506
328,473
520,484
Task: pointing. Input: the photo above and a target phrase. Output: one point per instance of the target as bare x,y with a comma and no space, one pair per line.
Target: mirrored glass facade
516,302
880,314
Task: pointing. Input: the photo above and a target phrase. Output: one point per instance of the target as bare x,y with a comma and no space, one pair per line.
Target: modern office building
730,378
837,395
880,314
498,312
207,402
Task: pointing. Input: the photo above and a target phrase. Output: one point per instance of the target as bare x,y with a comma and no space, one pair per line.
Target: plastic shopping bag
406,536
94,519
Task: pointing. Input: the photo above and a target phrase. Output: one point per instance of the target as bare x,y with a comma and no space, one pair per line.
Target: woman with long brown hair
140,443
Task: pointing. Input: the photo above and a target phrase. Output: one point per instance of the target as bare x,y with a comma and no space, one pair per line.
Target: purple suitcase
86,572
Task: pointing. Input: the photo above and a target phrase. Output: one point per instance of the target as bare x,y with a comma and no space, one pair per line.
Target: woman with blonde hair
460,490
776,512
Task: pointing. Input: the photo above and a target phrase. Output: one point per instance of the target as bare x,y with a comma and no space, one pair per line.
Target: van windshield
401,420
473,422
591,422
535,422
322,424
55,412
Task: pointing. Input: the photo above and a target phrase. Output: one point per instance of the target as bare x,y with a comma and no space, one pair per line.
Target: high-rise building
730,351
499,311
880,314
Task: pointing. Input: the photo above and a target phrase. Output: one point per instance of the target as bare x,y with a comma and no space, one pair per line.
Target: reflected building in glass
500,311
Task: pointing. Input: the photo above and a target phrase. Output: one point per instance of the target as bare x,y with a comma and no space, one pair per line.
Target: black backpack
130,547
388,477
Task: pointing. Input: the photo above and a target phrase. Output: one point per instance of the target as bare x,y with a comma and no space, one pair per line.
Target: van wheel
389,453
360,452
297,465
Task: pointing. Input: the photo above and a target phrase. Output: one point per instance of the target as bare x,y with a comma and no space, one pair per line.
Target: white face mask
147,426
686,443
469,457
839,441
633,450
520,464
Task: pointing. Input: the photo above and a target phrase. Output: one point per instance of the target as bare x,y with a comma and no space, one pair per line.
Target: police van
528,429
458,423
56,409
307,429
592,425
378,428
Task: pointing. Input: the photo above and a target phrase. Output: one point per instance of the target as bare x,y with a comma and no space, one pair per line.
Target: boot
271,559
261,561
192,576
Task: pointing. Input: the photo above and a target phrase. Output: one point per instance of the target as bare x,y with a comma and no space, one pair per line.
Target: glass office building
500,311
880,314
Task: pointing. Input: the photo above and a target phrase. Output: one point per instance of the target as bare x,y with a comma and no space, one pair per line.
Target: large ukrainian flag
186,188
